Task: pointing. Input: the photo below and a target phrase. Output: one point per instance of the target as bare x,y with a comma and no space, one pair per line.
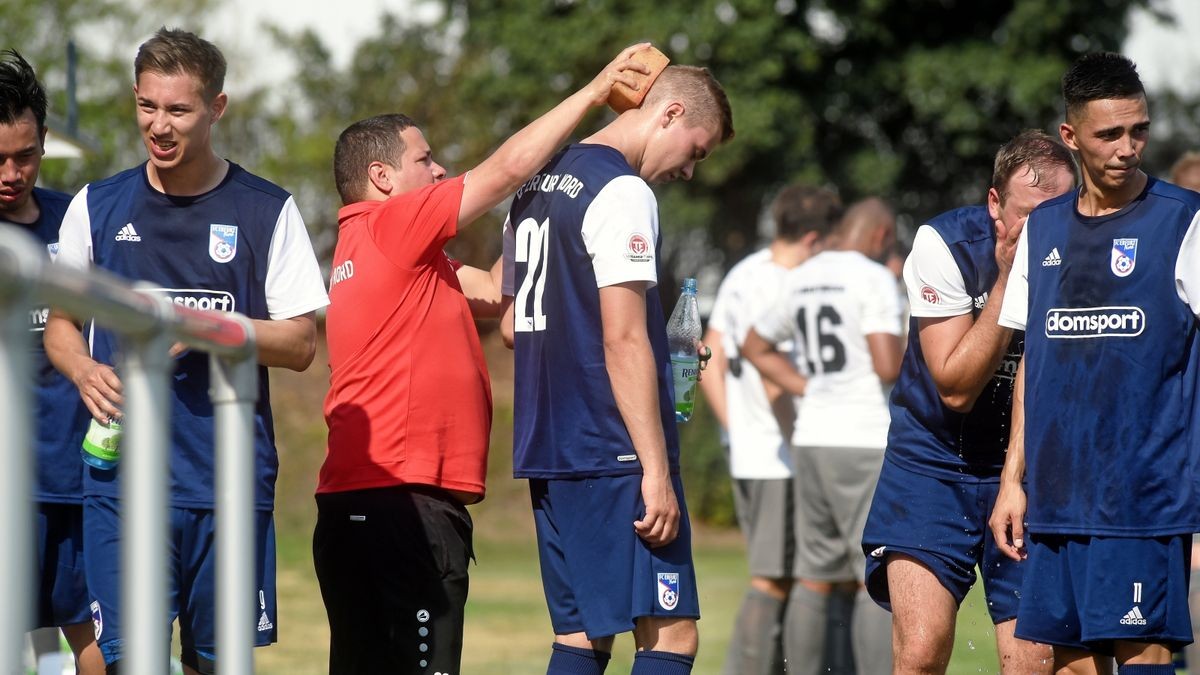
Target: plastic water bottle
102,444
683,334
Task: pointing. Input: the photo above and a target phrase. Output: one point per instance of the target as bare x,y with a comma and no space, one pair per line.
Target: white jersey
828,307
757,448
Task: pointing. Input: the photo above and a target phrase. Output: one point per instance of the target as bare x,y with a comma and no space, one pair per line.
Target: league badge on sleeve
668,590
1124,256
638,248
222,242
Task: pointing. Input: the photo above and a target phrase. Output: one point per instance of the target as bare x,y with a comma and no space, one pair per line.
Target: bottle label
103,441
686,370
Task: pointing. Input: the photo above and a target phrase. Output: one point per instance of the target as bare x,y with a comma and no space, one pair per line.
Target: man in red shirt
409,404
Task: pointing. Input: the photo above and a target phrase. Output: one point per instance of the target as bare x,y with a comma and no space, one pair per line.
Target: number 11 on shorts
1137,592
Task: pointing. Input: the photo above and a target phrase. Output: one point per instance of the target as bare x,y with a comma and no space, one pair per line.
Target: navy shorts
944,525
1087,592
62,594
191,580
598,575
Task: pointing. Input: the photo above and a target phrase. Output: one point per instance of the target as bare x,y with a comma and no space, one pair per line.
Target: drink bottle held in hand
102,444
683,337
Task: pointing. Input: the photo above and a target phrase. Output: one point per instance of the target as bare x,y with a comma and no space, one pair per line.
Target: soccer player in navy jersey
62,598
927,529
209,235
1106,284
594,428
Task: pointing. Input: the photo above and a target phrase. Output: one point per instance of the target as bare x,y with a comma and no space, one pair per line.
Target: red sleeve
412,227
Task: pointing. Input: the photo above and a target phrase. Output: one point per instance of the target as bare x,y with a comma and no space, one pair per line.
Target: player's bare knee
776,588
581,641
667,634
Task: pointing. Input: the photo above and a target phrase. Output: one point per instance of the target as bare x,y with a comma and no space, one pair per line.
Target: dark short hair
700,91
1035,149
173,51
375,139
799,209
20,90
1099,76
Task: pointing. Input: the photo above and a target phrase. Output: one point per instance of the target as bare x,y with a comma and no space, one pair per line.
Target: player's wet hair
1099,76
700,92
800,209
375,139
173,51
20,90
1031,148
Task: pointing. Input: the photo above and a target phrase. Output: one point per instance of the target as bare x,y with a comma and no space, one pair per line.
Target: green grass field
507,629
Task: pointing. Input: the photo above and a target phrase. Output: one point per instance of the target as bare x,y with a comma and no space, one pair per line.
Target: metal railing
149,325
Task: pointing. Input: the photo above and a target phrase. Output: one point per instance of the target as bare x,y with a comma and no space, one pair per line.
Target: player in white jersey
840,309
758,420
1185,173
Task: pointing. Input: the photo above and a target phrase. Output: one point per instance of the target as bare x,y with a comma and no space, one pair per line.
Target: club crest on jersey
52,249
668,590
638,248
222,242
1124,256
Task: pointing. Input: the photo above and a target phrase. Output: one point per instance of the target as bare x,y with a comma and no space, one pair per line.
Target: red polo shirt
409,397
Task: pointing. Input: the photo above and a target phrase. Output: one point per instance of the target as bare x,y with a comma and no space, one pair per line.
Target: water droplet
971,643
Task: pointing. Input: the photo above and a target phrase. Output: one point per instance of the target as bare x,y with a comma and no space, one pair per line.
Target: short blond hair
700,92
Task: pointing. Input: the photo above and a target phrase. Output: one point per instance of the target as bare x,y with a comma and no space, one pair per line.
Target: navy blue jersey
925,436
60,416
230,249
1112,357
586,221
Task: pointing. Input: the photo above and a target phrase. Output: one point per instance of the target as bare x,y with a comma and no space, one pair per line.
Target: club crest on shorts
1124,256
222,242
668,590
97,619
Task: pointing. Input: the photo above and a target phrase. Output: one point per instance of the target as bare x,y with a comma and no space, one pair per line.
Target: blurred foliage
903,99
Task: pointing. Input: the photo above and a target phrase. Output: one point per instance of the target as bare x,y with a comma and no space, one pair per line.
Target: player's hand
100,389
660,525
705,353
177,350
621,70
1008,521
1006,243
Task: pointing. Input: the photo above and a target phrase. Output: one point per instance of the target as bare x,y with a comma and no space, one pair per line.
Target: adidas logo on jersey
264,623
1133,617
127,233
1052,260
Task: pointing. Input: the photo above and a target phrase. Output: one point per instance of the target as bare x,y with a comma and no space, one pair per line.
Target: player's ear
672,113
380,177
993,203
217,107
1067,132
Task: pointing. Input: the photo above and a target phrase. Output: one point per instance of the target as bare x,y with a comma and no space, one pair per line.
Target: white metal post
234,391
19,262
145,451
